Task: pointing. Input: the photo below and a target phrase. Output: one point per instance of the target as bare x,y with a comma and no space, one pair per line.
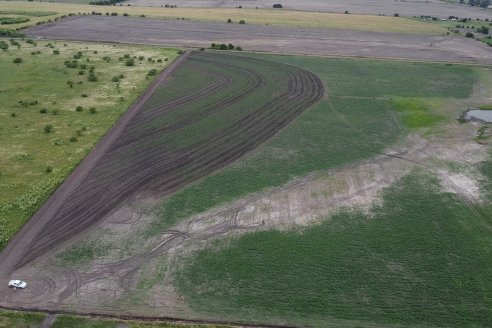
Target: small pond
477,115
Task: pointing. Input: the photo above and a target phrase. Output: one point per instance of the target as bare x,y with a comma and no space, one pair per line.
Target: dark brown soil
138,157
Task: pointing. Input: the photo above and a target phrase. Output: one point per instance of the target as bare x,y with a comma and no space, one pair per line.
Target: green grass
12,20
415,113
10,319
486,41
27,13
486,170
383,78
357,121
90,248
40,83
420,258
69,321
485,107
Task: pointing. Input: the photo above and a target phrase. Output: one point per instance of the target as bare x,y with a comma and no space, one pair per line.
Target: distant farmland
408,43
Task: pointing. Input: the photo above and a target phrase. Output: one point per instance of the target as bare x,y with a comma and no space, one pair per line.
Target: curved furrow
199,135
200,157
256,81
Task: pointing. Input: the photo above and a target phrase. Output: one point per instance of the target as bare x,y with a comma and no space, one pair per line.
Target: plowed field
204,112
277,39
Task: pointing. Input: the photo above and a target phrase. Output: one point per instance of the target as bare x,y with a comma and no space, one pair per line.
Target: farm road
276,39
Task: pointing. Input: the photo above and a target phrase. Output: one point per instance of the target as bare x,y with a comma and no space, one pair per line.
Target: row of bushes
105,2
223,46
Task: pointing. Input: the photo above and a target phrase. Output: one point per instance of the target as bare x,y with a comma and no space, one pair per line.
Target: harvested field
251,16
196,118
374,7
268,38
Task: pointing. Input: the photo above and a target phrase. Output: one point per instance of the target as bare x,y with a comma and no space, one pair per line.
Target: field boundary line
9,258
151,318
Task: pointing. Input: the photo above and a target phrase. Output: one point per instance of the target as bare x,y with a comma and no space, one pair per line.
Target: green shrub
48,128
152,72
13,20
71,63
130,62
10,33
79,108
3,45
17,60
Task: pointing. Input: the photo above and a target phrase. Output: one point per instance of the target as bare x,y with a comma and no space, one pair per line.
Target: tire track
141,156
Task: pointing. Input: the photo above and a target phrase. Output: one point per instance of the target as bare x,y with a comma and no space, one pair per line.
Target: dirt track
135,160
267,38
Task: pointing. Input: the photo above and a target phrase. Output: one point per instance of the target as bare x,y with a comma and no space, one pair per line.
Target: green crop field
54,108
370,105
420,258
406,262
403,261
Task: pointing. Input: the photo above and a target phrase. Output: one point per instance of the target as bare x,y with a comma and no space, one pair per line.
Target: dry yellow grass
252,16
